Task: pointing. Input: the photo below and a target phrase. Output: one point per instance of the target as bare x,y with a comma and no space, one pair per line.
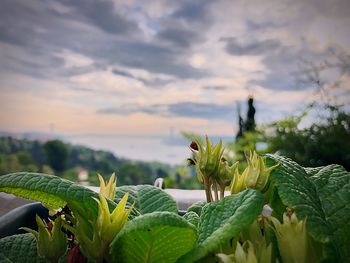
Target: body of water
167,149
143,148
171,149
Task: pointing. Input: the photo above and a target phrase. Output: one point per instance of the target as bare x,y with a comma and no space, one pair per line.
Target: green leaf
223,220
197,207
192,218
19,249
322,196
54,192
147,199
156,237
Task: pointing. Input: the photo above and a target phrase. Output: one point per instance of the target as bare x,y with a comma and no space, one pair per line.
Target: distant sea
143,148
171,149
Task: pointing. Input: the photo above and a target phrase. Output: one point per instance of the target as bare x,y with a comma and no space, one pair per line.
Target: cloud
215,88
152,82
180,109
182,38
102,14
194,11
152,57
280,61
253,48
95,30
263,25
164,61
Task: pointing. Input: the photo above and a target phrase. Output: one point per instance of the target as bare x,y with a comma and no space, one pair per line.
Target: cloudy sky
150,67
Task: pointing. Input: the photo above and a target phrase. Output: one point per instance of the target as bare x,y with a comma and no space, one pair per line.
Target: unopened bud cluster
215,173
212,169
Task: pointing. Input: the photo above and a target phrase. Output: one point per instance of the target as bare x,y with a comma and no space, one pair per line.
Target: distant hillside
33,155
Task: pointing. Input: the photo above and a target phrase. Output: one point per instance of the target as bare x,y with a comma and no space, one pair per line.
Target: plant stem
207,189
215,186
222,191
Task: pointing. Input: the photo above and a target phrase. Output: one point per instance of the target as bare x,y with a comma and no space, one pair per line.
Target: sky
160,67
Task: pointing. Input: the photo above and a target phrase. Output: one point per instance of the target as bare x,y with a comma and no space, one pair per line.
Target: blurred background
93,86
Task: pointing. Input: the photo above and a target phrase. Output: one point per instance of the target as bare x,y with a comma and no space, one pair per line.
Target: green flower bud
248,253
104,229
292,238
224,175
107,189
51,241
225,172
109,224
207,163
255,175
207,159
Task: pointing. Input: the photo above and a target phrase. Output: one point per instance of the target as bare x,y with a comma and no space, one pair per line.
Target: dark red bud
75,256
194,146
191,161
49,226
223,159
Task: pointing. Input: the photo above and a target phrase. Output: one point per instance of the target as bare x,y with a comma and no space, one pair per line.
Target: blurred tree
134,173
250,121
247,136
46,169
71,174
328,77
56,154
249,124
247,142
37,152
17,162
322,143
10,164
25,158
161,173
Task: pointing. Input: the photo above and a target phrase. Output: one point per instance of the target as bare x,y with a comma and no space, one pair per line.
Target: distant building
83,176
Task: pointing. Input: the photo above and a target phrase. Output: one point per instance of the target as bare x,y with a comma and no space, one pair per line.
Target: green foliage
192,218
19,248
156,237
246,143
321,195
72,175
52,191
135,173
322,143
17,162
56,154
317,202
197,207
147,199
183,178
224,220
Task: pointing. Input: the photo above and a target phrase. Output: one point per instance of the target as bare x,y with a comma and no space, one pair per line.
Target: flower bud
191,161
51,243
106,227
107,189
209,158
208,163
292,238
248,253
194,146
255,175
